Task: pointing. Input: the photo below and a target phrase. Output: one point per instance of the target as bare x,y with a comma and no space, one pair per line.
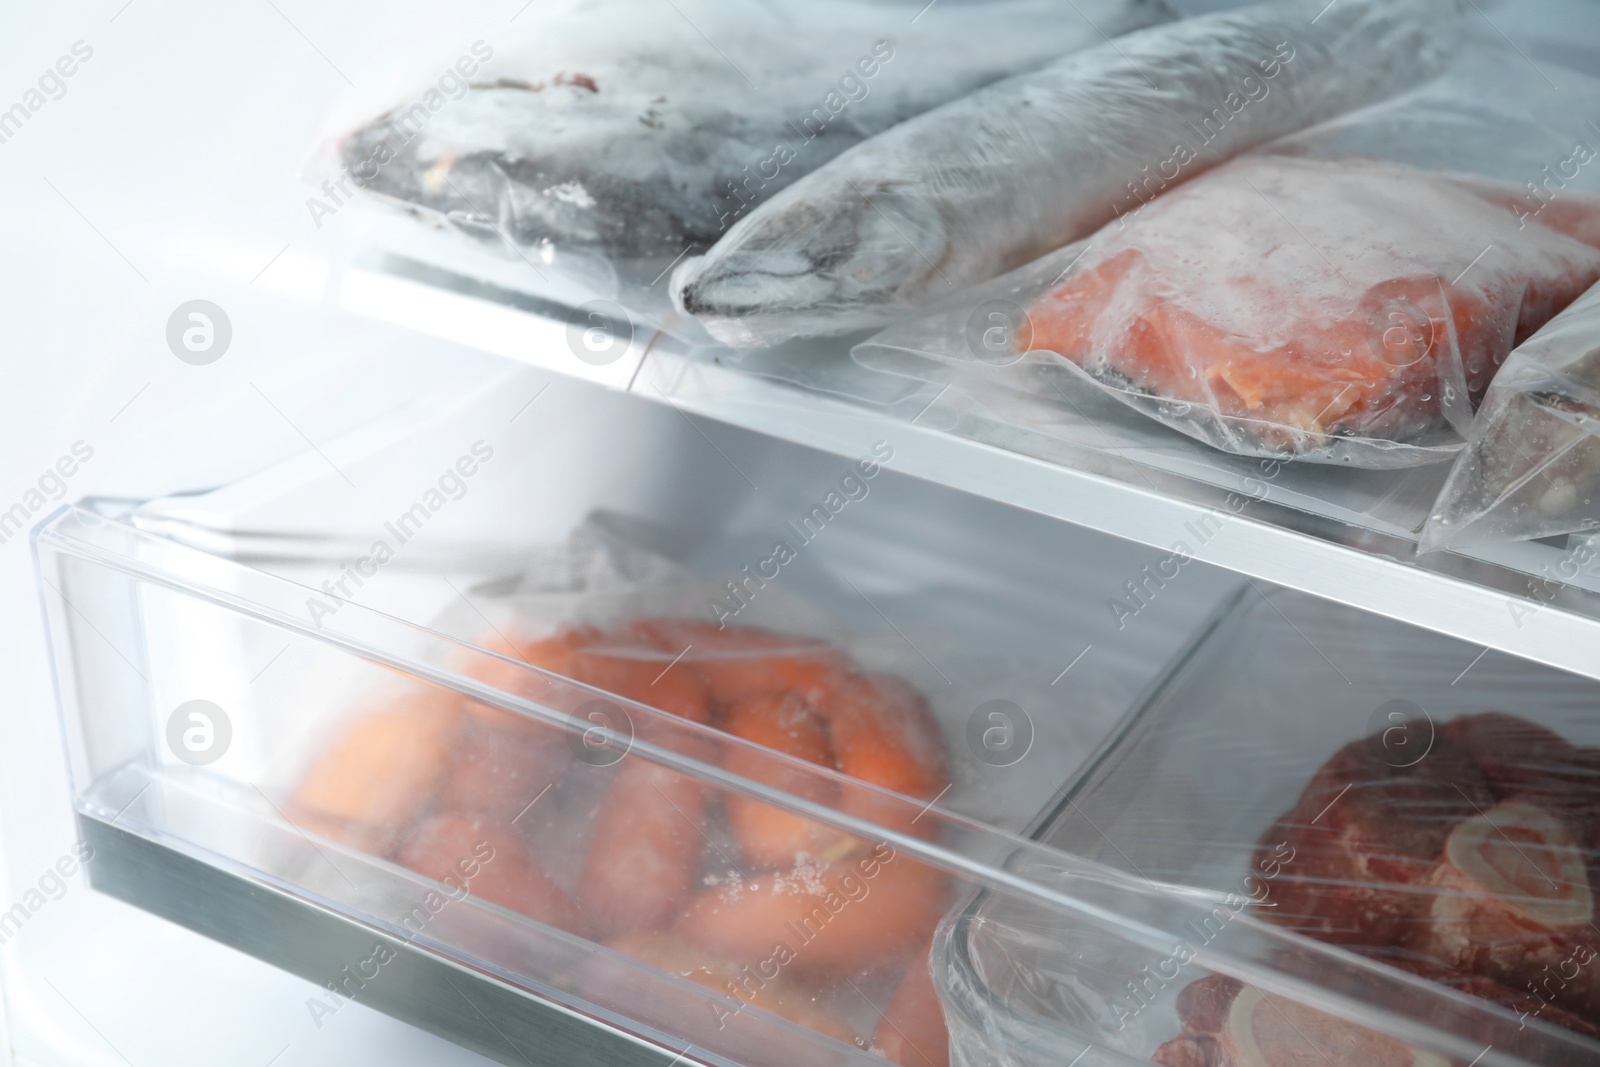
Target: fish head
825,256
555,165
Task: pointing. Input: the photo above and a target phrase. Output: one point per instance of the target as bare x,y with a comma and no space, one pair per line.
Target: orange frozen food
381,770
475,856
866,910
1281,302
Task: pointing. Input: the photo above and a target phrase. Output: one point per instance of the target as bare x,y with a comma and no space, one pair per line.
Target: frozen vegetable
381,770
912,1031
483,857
726,890
643,861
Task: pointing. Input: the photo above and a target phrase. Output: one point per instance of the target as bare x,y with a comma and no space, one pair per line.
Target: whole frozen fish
628,132
974,188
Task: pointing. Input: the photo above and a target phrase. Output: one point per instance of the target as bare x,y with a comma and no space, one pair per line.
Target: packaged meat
1429,862
1360,282
609,140
984,184
1229,1024
1343,327
1532,462
1444,873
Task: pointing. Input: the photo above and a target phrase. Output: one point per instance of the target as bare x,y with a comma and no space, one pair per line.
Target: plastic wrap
606,143
661,867
1532,464
1315,299
981,185
1363,791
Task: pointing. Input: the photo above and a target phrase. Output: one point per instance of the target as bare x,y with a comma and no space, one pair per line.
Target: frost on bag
658,869
1340,311
1342,295
608,142
986,183
1532,466
1332,310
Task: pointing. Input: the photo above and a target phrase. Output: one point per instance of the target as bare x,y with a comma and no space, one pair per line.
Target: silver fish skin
630,131
986,183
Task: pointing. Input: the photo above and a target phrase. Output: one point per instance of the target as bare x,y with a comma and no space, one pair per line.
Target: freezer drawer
290,760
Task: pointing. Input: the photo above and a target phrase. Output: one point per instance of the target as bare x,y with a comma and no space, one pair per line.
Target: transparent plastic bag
1532,465
1359,794
605,143
663,871
1316,299
981,185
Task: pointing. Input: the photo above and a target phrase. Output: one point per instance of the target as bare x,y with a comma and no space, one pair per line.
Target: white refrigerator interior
173,166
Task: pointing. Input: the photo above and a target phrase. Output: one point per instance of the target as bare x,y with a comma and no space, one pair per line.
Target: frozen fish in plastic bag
1315,299
1532,465
975,188
609,141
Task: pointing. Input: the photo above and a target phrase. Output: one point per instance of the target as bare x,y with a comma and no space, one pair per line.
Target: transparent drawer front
534,861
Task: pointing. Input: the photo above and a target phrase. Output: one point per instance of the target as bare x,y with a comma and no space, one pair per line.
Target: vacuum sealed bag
1344,295
1532,465
984,184
608,142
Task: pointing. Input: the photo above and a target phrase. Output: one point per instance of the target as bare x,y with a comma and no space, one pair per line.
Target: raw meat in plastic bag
1477,861
613,139
1229,1024
1532,465
981,185
1334,310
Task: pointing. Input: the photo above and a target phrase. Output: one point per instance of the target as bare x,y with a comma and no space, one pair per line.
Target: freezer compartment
586,858
1387,793
236,700
238,710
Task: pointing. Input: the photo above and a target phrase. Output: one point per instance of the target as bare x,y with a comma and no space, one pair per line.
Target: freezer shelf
1348,536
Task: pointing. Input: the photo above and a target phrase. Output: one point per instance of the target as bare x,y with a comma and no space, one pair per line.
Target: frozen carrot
852,915
644,679
770,836
505,760
644,852
738,663
380,771
912,1031
554,654
476,856
884,734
